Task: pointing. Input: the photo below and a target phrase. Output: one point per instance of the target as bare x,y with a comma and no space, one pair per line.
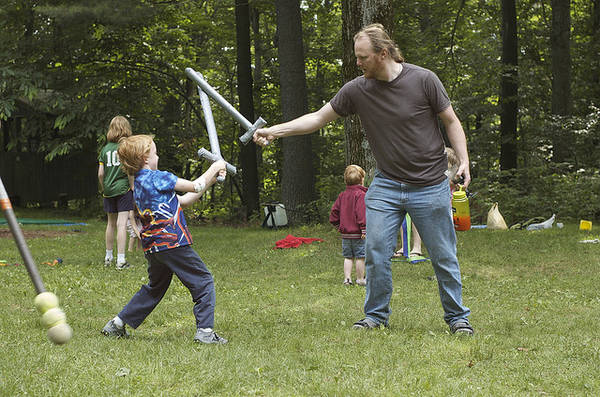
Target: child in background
133,228
416,252
114,185
348,216
453,164
166,239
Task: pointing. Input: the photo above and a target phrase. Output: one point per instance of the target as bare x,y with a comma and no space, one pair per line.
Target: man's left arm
458,140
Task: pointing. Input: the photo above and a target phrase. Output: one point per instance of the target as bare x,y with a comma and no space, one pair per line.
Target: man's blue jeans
387,202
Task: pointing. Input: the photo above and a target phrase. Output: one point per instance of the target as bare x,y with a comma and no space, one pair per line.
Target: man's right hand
262,137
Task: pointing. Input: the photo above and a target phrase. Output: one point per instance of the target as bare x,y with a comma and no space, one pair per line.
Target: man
399,105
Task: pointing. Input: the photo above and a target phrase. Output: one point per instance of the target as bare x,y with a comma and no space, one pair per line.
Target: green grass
533,296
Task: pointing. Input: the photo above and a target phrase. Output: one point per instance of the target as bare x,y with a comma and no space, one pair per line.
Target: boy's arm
197,187
101,176
334,215
134,224
361,219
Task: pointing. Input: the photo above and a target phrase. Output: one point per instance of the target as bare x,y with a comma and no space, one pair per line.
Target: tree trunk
560,45
258,73
594,49
297,180
355,15
509,87
595,17
244,87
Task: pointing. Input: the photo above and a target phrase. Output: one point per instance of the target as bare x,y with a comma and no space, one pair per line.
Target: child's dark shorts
122,203
353,247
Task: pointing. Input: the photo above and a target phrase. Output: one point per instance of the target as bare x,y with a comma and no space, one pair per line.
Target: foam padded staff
20,240
250,127
212,158
213,138
55,320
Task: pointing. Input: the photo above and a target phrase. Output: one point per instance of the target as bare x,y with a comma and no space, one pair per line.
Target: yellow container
460,210
585,225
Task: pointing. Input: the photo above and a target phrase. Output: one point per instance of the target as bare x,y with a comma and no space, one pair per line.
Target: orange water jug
460,210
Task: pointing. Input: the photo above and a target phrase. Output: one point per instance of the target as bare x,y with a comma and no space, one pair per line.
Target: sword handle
205,154
247,137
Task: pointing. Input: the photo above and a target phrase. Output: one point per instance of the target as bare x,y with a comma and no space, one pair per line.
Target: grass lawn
533,296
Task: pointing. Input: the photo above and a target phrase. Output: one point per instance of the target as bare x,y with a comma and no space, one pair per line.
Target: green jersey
115,180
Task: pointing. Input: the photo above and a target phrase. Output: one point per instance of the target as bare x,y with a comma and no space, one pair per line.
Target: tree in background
245,93
509,87
66,70
355,15
560,46
297,179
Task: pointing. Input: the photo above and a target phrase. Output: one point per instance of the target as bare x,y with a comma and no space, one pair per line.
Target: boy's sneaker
361,281
365,323
209,337
111,329
462,327
107,261
123,265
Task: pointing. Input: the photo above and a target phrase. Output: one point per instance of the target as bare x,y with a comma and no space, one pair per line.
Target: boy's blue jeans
387,202
189,268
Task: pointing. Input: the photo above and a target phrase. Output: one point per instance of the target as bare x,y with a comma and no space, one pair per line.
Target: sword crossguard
247,137
205,154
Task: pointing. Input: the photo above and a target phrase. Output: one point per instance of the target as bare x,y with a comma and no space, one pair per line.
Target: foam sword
250,127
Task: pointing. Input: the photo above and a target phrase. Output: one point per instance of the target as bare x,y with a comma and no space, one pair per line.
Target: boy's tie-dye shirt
163,222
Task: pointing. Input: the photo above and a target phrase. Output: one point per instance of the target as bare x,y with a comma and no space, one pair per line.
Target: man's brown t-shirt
400,119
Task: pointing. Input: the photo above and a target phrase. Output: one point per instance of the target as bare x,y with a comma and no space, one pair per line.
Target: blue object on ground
31,221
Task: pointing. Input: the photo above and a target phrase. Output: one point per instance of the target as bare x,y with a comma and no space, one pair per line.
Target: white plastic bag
547,224
495,221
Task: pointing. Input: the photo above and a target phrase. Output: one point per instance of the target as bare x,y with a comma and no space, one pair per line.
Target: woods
523,77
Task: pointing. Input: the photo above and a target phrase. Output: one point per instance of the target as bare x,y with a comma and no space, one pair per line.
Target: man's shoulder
355,82
345,101
416,69
350,89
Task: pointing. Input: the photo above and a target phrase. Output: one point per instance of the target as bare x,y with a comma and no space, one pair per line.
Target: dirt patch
6,233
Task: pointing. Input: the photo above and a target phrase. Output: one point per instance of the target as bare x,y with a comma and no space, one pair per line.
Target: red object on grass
294,242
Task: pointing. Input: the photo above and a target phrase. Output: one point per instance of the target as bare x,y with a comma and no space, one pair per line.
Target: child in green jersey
115,188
